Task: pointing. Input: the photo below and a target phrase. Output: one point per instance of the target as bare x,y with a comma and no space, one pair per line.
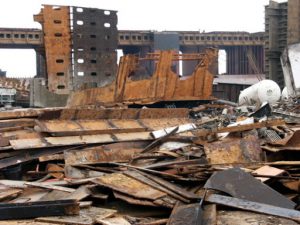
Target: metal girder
38,209
116,113
254,206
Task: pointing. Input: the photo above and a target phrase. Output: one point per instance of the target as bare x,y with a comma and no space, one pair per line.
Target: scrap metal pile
214,164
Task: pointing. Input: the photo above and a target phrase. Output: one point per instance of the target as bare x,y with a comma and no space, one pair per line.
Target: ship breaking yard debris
147,148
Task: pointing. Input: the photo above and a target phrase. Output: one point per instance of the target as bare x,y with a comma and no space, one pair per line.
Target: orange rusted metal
235,150
163,85
57,38
129,186
106,153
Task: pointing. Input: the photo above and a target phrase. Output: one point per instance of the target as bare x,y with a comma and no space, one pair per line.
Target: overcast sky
159,15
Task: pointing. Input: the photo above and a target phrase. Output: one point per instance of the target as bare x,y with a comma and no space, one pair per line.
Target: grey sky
203,15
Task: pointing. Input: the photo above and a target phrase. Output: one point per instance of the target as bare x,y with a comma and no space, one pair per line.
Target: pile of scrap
214,164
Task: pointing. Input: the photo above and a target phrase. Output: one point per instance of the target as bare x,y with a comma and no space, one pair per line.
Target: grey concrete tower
282,26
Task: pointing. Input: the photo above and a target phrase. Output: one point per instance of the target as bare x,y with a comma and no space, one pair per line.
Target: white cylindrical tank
263,91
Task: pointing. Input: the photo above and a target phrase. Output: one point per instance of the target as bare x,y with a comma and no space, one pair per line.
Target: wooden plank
253,206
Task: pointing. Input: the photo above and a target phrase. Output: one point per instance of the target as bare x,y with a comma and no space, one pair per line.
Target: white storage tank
263,91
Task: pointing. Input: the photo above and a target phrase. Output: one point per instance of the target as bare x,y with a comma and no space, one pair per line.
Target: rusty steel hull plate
234,151
100,154
242,185
129,186
163,85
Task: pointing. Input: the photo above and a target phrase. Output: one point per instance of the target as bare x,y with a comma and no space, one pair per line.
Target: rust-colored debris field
149,139
211,164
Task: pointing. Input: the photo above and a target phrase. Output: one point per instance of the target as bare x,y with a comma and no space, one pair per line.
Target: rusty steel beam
253,206
25,113
93,114
38,209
